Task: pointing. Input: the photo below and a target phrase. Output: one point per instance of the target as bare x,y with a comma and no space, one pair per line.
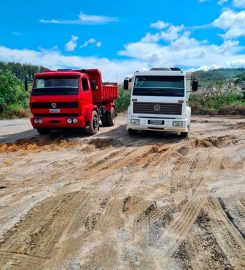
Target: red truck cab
72,99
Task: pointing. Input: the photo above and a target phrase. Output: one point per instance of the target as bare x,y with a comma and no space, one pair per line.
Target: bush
217,103
12,95
123,100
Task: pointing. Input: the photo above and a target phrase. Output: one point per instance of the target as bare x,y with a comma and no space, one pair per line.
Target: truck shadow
32,136
115,137
13,137
119,136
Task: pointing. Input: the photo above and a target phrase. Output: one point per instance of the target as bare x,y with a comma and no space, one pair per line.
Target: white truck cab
159,100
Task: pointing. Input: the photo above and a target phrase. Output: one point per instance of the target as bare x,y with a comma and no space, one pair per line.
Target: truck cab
66,99
159,100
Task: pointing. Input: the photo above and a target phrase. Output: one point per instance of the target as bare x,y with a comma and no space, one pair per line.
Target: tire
108,119
43,131
103,120
132,132
184,134
93,126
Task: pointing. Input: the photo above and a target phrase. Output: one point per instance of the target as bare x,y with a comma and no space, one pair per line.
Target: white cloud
172,33
98,44
173,47
96,19
71,45
83,19
221,2
92,41
179,48
112,70
239,3
159,25
143,56
233,22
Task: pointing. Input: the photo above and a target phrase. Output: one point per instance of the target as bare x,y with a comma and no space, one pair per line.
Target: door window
85,84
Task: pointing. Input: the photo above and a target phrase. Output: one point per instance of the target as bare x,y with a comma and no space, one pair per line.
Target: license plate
54,110
156,122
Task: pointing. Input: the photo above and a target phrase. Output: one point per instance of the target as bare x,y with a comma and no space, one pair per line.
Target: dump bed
104,93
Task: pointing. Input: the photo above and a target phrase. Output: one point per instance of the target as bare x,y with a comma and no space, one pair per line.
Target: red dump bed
104,93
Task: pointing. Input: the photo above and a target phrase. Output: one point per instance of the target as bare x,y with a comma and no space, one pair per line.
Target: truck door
86,92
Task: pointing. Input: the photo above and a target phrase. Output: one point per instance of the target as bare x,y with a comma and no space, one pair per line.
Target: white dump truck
159,100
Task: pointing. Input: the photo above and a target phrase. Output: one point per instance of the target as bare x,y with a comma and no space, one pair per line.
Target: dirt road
112,201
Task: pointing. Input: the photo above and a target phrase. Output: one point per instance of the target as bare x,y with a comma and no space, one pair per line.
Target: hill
221,91
217,76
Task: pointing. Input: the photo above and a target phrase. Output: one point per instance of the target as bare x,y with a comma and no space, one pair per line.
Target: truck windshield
48,86
172,86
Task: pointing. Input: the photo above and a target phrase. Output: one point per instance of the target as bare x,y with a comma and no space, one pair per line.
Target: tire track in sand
34,237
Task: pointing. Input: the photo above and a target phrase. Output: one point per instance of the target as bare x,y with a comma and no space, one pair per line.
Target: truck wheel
93,126
108,119
43,131
184,134
132,132
103,120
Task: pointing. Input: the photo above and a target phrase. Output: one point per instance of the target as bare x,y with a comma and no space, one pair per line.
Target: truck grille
59,105
57,115
157,108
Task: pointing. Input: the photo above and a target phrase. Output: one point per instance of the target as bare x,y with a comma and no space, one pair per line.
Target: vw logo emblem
53,105
157,107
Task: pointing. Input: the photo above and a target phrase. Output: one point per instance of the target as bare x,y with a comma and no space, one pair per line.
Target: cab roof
69,72
58,73
160,73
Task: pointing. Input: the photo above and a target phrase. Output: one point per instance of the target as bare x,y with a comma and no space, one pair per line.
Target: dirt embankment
112,201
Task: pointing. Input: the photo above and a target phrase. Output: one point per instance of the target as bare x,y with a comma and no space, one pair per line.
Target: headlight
135,121
38,121
74,120
178,123
69,120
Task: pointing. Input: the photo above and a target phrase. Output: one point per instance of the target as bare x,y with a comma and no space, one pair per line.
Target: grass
14,111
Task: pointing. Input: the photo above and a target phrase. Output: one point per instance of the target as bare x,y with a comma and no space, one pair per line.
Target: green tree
11,90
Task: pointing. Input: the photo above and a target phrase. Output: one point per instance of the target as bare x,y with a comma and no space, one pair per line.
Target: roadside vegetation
123,100
221,103
14,100
222,91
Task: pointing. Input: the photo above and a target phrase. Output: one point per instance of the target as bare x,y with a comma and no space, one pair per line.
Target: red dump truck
72,99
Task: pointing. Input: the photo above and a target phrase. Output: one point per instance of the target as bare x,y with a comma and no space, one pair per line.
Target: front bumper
58,122
167,124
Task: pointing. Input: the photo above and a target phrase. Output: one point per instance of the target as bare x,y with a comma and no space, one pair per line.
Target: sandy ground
110,201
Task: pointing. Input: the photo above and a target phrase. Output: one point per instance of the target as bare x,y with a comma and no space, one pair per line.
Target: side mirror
194,85
93,85
125,84
26,85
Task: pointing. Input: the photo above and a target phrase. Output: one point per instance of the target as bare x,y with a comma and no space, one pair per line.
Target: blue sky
124,36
